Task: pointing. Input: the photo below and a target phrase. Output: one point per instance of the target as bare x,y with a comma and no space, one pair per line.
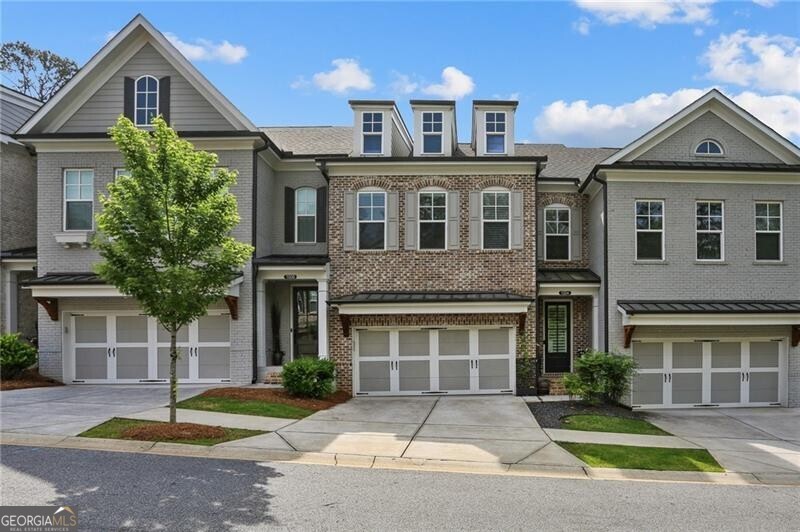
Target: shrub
309,377
16,355
600,376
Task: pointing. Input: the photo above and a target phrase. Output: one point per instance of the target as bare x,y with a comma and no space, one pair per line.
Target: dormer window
372,131
146,102
496,132
709,147
432,132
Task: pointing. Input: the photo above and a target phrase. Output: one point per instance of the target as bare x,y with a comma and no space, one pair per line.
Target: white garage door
434,361
132,348
689,373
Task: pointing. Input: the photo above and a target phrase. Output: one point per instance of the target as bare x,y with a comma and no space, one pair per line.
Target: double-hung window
432,132
432,220
121,172
649,230
556,233
78,200
495,219
371,220
709,227
769,227
305,212
146,100
372,131
496,132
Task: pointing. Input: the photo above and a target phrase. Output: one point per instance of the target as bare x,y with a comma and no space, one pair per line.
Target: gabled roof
109,59
715,101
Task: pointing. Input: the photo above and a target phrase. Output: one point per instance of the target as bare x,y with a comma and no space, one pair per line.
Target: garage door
689,373
434,361
132,348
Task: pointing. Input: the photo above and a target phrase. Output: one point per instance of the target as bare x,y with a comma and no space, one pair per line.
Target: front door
557,354
305,330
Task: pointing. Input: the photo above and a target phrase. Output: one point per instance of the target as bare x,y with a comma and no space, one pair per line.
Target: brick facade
576,202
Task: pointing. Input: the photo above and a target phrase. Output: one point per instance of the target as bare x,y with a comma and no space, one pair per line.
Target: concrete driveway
498,429
746,440
70,410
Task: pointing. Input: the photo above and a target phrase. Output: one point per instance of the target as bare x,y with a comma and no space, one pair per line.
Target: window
431,132
495,214
496,132
709,223
432,220
305,210
372,130
556,233
371,220
78,200
709,147
119,172
769,230
649,230
146,100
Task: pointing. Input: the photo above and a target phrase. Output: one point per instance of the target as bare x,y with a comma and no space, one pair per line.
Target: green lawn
248,407
601,423
114,427
653,458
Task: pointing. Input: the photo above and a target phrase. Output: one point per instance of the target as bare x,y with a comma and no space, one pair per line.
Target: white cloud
402,84
347,75
583,124
769,62
698,32
300,83
455,85
581,26
649,13
206,50
510,96
765,3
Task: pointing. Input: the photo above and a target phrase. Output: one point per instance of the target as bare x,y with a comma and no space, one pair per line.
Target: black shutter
322,214
129,93
288,215
163,98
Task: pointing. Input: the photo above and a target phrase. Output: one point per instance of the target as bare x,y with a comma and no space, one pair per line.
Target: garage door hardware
111,352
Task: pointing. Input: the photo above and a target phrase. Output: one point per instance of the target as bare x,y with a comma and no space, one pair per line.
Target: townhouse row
417,263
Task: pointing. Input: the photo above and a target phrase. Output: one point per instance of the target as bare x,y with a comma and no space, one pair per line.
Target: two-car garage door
688,373
434,361
133,348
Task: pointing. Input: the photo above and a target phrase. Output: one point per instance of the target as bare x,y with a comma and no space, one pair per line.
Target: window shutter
540,232
349,235
475,220
575,227
128,95
163,98
288,215
392,221
453,215
516,237
322,214
411,220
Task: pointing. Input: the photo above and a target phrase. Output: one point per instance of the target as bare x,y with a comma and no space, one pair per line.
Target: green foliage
600,376
16,355
37,73
309,377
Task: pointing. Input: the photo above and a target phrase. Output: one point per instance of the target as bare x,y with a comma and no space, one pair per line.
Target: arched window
432,218
495,217
305,211
709,147
146,103
556,232
371,218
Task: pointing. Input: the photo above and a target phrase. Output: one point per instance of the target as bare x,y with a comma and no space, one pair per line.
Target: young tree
37,73
165,230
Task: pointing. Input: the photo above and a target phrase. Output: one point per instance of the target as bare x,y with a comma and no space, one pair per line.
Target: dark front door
304,326
557,337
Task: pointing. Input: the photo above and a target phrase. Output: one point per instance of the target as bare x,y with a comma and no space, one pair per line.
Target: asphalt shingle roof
708,307
312,140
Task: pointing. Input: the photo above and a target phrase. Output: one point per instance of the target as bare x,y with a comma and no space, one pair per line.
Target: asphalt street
112,491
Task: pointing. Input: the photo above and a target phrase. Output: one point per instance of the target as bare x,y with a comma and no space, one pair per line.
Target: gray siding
189,111
399,147
12,116
680,146
265,192
295,179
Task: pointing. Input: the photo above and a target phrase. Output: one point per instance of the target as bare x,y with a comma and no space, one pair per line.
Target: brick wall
576,202
17,198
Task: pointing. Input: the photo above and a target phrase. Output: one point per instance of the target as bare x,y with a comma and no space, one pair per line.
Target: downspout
253,269
605,259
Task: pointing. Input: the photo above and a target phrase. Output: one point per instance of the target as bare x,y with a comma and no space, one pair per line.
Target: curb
408,464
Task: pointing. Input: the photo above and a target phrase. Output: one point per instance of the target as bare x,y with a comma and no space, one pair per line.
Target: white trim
709,154
146,92
371,190
65,201
558,207
767,231
486,132
570,338
644,175
100,290
440,134
496,190
372,133
216,144
297,216
465,307
785,318
663,230
575,289
710,231
420,221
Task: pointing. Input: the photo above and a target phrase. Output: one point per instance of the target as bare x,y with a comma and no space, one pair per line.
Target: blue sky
585,74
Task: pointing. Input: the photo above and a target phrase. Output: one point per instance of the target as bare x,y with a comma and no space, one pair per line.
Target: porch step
273,377
556,386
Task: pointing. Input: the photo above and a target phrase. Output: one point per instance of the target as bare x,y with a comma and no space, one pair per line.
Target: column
595,321
322,318
261,326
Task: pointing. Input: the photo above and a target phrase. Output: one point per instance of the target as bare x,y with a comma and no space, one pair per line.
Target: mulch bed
272,395
549,415
173,431
29,378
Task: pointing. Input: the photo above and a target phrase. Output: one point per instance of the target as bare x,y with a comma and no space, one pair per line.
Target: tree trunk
173,375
